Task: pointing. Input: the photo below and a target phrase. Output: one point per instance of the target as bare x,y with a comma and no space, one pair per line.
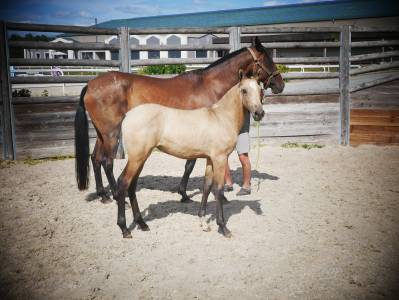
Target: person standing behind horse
242,148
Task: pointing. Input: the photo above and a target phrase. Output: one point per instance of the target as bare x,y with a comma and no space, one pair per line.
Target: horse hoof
127,235
143,226
186,199
106,200
206,228
226,233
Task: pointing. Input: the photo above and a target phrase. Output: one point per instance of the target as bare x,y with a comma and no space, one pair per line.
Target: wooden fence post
234,38
124,52
344,84
124,59
7,113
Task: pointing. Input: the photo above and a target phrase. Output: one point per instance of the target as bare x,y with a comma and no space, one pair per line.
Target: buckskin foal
171,131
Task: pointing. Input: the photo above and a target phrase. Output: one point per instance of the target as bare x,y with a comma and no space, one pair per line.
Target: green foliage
282,68
30,37
6,163
162,69
45,93
35,161
21,93
304,146
19,52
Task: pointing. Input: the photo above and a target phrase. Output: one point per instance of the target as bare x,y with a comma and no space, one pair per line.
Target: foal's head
250,93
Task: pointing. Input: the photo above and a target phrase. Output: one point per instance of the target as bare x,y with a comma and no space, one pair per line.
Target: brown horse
171,131
108,97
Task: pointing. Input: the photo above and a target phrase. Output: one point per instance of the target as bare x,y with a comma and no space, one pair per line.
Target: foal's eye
244,91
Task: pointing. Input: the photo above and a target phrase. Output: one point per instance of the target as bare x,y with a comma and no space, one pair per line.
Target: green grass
304,146
32,161
35,161
6,163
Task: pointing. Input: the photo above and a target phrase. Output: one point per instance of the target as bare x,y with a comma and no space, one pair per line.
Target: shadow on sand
163,209
171,183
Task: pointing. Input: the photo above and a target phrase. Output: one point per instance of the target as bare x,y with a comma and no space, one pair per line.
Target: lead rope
257,124
258,154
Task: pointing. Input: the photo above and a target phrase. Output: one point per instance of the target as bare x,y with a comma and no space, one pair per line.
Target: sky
84,12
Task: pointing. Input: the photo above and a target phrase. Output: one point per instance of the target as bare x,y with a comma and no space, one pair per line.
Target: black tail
82,150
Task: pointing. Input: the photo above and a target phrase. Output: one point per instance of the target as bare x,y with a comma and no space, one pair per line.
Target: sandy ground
324,224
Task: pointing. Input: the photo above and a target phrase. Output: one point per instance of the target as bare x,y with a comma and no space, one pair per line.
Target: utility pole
95,24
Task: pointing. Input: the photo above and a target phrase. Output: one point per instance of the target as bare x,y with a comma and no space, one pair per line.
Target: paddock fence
315,106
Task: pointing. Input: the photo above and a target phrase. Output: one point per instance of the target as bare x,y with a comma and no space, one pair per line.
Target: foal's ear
240,74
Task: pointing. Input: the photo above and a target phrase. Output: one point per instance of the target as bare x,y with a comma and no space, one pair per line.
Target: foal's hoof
143,226
127,235
186,199
106,200
206,228
226,233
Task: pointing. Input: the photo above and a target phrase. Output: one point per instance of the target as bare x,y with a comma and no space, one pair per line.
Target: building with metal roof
316,14
267,15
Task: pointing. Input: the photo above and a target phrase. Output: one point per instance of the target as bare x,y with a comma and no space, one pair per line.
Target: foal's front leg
208,180
138,219
120,198
218,171
123,184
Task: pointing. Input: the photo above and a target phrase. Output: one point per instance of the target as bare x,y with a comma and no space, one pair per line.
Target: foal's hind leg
138,219
96,159
124,182
184,181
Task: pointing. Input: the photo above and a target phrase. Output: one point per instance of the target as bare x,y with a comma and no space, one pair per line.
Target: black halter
261,66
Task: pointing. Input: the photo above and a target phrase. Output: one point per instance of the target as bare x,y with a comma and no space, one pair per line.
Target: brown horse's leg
184,181
96,159
138,219
208,180
218,177
109,145
108,165
123,184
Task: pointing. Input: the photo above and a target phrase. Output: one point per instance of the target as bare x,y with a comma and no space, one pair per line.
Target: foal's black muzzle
258,115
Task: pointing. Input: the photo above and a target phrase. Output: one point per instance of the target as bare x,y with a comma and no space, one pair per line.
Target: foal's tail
82,151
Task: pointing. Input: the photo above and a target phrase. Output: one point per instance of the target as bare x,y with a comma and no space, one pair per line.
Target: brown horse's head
250,93
264,68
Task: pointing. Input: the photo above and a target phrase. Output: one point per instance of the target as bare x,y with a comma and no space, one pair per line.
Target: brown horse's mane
224,58
214,64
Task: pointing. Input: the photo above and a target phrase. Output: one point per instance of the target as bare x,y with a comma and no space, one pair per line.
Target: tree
19,52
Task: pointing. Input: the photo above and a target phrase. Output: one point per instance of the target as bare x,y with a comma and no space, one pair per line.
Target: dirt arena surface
324,224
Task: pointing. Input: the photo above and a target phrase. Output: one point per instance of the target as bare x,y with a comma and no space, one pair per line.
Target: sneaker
228,188
244,192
